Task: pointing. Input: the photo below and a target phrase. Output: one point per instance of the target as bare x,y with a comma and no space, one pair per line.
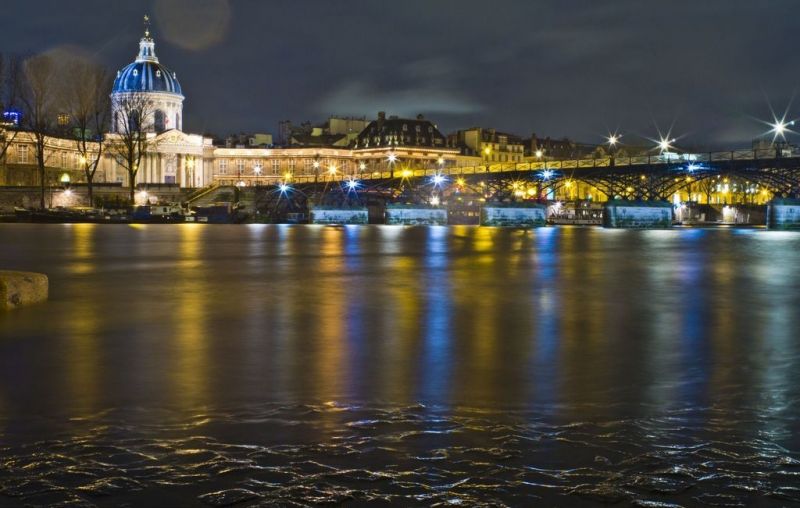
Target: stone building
489,144
176,158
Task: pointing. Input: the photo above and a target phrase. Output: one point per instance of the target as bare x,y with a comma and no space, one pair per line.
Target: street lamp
664,144
392,158
779,128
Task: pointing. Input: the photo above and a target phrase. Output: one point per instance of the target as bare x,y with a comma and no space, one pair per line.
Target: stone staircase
214,193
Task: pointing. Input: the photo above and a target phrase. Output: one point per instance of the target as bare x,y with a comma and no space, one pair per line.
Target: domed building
146,75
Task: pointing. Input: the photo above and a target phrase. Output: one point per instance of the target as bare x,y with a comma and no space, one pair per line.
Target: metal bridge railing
400,171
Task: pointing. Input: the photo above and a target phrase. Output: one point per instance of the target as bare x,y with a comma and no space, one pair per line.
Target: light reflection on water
480,342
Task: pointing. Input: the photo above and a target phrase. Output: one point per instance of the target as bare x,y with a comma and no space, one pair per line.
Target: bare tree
133,118
9,99
39,98
89,108
708,186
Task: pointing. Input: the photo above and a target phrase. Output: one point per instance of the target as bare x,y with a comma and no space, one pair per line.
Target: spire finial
146,26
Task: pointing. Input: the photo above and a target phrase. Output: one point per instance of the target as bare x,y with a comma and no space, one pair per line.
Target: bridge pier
515,215
783,214
618,213
338,215
416,215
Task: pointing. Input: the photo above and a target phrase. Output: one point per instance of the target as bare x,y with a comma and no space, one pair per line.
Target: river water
197,365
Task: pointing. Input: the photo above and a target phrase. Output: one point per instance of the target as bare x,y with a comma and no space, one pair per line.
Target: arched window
133,121
158,121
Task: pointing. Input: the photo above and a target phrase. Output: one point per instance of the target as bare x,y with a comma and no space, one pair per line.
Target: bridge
774,171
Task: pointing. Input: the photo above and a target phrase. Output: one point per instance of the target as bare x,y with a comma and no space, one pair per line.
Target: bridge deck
657,161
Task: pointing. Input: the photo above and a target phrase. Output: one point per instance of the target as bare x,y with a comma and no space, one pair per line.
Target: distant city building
393,132
335,132
558,149
489,144
243,140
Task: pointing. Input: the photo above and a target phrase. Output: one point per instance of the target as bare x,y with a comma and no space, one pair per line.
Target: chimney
381,115
420,117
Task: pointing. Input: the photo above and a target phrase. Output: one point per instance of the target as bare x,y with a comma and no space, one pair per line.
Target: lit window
22,154
276,167
223,166
135,72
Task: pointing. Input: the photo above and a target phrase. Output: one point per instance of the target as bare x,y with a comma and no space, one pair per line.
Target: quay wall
105,194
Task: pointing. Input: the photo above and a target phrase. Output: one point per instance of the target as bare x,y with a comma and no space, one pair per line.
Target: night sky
710,69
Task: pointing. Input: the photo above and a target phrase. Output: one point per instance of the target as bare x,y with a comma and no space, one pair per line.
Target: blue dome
146,77
146,74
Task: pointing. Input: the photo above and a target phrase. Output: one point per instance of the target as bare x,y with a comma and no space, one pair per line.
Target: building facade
490,145
174,157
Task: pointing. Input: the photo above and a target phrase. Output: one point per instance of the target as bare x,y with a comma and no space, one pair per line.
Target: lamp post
392,159
612,140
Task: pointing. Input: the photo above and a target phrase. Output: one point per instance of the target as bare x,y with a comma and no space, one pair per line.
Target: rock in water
18,289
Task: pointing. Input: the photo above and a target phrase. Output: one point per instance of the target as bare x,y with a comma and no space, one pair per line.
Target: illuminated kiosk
320,214
514,215
619,213
783,214
428,215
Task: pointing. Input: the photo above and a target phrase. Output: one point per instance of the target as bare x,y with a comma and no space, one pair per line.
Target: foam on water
402,456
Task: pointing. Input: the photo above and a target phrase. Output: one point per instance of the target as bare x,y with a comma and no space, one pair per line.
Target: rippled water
198,365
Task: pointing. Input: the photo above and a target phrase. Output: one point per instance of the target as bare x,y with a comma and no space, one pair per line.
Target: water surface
197,365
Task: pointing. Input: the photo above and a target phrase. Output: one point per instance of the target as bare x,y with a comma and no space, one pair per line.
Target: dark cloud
574,68
193,24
